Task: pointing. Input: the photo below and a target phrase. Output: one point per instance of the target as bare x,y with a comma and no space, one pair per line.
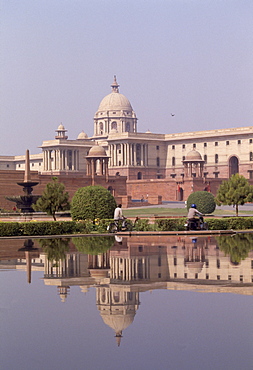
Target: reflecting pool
139,302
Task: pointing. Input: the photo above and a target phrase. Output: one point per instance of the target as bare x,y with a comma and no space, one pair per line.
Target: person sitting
118,215
192,219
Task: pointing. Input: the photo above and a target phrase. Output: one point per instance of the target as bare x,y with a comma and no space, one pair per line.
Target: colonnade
61,159
191,167
68,267
128,154
128,269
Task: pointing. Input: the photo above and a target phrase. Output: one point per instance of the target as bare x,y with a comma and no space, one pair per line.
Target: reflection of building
136,265
177,163
117,306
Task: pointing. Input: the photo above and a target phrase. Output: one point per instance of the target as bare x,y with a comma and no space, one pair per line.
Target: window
205,144
207,276
119,163
205,158
173,161
238,141
185,275
175,261
251,156
158,162
159,275
159,262
175,275
250,141
139,175
183,146
157,147
227,142
140,248
216,158
39,164
218,264
241,278
7,166
32,164
194,145
218,277
229,277
216,143
127,127
19,165
173,146
183,158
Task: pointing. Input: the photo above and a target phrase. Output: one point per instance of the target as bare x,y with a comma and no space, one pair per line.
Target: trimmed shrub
170,224
92,202
143,225
9,229
204,201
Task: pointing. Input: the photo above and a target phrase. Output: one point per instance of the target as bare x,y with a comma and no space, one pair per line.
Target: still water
157,302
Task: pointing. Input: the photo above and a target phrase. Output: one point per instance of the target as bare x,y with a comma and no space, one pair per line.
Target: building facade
165,165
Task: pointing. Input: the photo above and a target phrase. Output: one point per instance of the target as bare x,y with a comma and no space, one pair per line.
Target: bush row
100,226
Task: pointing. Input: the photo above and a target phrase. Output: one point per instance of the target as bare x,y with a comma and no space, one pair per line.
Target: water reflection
121,269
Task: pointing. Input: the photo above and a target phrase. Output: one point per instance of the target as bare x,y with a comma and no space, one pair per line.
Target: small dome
82,136
97,151
148,132
61,127
193,155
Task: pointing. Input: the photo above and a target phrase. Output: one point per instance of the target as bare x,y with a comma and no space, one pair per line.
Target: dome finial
115,85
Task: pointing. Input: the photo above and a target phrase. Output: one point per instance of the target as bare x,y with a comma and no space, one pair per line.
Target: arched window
233,166
216,158
251,156
173,161
139,175
114,125
127,127
101,127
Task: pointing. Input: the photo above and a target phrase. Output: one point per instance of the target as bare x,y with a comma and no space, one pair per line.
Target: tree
53,199
92,202
234,191
204,201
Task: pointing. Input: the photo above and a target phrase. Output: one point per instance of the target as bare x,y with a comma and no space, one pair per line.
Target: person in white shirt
193,212
118,215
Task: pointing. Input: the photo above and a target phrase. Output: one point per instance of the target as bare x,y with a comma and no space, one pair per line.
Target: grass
174,212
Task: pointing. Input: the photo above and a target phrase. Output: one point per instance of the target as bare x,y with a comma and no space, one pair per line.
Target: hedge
100,226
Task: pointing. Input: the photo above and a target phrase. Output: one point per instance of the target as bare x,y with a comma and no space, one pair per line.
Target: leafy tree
204,201
234,191
94,244
92,202
53,199
55,249
236,246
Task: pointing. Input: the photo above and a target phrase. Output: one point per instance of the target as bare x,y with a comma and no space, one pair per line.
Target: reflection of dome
195,267
97,151
115,100
82,136
193,155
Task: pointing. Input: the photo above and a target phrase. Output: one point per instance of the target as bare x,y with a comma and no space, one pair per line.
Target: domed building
138,165
115,114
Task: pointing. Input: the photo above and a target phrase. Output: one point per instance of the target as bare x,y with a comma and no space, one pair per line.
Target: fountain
24,202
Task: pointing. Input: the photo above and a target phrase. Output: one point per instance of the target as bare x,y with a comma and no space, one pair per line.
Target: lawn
174,212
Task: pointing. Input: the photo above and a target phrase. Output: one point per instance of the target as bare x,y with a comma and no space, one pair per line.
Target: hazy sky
193,58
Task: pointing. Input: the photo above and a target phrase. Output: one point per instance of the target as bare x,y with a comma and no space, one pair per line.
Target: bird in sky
173,114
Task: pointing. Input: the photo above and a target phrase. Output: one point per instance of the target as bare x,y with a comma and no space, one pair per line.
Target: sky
192,58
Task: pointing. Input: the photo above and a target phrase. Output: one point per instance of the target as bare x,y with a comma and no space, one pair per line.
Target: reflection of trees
94,244
55,248
236,246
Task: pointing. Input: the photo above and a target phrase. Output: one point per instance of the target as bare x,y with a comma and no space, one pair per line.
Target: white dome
82,136
115,100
